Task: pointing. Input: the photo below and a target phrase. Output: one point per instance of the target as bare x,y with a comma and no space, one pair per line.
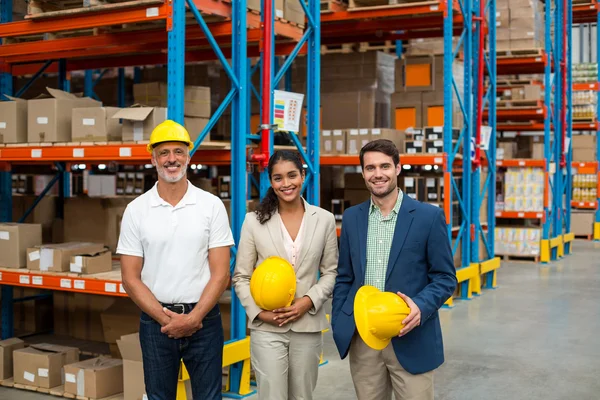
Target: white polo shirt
174,241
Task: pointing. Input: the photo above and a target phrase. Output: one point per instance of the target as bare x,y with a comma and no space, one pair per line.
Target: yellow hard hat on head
169,131
378,316
273,284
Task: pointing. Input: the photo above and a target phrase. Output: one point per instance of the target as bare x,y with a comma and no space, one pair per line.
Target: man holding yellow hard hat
175,242
395,271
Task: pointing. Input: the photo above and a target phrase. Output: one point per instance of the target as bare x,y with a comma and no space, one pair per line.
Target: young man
398,245
175,242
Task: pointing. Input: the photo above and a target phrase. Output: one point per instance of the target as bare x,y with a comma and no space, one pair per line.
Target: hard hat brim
362,321
151,146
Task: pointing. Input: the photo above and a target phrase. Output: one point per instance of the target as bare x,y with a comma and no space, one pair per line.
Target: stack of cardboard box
520,25
197,106
355,89
350,141
584,148
418,100
288,10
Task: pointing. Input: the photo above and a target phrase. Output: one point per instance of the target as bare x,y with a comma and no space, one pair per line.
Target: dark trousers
202,354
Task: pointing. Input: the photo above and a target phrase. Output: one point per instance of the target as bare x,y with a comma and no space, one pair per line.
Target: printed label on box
34,255
70,378
43,372
28,376
42,120
4,235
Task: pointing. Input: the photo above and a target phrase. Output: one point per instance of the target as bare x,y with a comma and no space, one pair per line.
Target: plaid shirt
379,243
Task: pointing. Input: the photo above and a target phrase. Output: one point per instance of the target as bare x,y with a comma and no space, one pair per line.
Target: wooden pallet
519,104
383,4
58,9
501,83
329,6
58,391
387,46
519,258
519,53
584,237
345,48
584,120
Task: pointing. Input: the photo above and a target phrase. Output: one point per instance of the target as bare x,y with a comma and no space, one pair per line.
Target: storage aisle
535,337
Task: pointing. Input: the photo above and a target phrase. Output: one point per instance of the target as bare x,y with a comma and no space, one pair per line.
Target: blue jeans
202,354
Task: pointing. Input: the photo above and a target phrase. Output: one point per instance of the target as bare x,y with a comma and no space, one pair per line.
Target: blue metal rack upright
6,87
568,151
597,216
484,196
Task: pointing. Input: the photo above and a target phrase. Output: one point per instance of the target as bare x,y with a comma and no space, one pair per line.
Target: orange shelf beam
39,280
405,159
520,214
521,163
435,8
515,114
587,205
582,87
585,13
590,167
85,21
101,153
521,65
586,126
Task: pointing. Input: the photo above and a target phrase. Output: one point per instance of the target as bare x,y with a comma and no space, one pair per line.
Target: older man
175,242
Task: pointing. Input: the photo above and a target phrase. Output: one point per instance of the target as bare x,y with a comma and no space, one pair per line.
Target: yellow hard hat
378,316
169,131
273,284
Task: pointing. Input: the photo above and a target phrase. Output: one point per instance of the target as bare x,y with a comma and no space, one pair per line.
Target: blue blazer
420,265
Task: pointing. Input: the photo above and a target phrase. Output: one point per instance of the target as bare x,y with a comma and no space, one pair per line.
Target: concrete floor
535,337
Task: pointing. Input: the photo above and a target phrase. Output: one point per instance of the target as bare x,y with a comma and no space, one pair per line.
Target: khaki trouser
375,373
286,365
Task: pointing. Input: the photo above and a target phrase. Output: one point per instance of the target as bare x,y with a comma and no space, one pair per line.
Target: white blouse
292,247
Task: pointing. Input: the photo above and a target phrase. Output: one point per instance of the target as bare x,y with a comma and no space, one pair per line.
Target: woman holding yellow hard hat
284,246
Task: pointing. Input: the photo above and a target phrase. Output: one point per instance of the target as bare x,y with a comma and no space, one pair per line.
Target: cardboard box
413,187
101,185
583,141
414,147
134,387
95,124
339,141
432,189
95,378
92,262
583,155
395,135
41,365
434,146
122,318
15,239
416,73
139,122
57,257
582,223
104,214
361,109
50,119
195,126
327,142
196,98
293,12
7,347
13,120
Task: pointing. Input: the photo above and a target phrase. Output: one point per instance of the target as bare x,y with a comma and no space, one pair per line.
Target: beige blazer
319,253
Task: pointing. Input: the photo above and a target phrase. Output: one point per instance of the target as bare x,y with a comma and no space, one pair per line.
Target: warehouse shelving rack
556,116
250,35
445,19
590,14
239,28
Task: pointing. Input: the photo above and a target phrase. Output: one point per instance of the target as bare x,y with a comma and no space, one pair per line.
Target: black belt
179,308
